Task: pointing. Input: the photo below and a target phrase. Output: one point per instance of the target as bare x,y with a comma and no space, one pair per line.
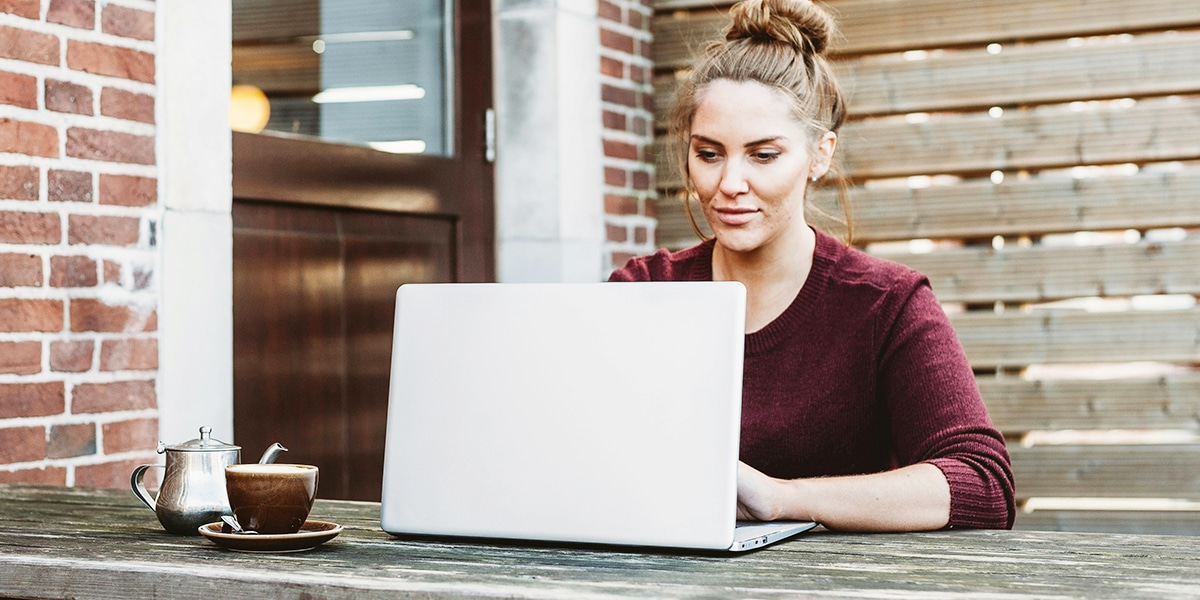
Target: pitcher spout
271,454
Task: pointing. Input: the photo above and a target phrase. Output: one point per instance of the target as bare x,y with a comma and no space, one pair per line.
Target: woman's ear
823,157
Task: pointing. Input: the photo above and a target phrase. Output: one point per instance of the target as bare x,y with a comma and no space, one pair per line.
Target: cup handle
139,488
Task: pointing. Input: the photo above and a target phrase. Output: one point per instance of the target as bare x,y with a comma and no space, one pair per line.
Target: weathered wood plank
1033,140
1125,471
1018,406
976,144
1019,338
1040,273
979,209
1020,75
877,26
1038,74
1111,521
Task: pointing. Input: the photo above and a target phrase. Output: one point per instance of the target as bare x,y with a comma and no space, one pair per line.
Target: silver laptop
604,413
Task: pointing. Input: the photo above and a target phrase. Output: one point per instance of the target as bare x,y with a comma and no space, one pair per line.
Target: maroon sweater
862,373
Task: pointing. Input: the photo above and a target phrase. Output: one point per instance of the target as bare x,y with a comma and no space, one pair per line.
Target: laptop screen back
604,413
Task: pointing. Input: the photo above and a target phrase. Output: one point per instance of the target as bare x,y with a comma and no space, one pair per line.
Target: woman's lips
735,215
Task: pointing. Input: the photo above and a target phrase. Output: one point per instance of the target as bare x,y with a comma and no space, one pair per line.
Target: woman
859,410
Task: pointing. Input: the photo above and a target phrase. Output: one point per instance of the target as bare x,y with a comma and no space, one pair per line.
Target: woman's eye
706,155
765,156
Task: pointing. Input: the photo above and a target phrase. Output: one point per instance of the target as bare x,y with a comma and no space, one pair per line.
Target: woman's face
750,160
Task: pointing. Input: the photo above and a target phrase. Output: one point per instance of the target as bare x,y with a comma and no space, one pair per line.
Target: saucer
311,535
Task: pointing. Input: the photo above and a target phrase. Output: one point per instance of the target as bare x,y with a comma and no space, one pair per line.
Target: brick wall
626,71
79,214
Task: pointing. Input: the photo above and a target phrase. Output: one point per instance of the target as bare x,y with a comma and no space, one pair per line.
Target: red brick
129,355
93,315
107,475
614,120
617,233
620,258
112,271
109,231
614,177
127,22
71,357
20,270
41,476
20,314
22,444
639,75
641,126
616,41
121,104
29,46
129,436
69,186
646,50
618,95
67,97
612,67
615,149
30,228
620,205
641,180
73,271
31,139
20,358
112,397
112,61
67,441
641,235
18,90
636,20
127,190
32,399
19,183
73,13
608,10
29,9
111,146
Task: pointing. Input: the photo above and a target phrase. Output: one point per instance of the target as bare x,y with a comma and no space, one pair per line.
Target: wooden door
324,233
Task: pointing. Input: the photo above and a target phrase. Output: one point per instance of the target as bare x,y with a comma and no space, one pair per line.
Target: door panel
314,298
324,233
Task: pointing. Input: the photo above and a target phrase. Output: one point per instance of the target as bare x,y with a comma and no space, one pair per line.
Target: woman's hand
758,495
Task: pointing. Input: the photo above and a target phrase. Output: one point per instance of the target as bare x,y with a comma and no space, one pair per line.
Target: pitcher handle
139,488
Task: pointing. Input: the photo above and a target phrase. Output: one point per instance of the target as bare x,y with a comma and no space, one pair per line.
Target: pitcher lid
205,443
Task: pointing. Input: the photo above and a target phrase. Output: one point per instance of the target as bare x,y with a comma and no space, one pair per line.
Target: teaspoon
237,527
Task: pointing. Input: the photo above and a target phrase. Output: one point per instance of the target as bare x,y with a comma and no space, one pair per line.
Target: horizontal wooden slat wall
1040,162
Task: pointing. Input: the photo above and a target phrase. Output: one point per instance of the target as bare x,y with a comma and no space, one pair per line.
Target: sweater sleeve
937,414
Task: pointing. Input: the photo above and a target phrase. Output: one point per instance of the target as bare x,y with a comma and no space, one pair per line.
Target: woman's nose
733,180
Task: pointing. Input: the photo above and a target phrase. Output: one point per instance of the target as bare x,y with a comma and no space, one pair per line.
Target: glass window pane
370,72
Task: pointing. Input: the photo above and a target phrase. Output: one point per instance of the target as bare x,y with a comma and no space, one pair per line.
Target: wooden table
87,543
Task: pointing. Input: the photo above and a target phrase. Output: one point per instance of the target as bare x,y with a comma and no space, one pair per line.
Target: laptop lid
598,413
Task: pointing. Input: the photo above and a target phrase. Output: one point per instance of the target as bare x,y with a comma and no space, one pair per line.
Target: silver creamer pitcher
192,492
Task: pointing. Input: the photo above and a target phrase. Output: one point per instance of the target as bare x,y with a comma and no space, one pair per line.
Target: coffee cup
271,498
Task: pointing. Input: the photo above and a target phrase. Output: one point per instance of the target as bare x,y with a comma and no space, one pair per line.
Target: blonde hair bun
797,23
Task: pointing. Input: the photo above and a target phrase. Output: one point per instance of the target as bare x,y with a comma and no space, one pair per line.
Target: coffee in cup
271,498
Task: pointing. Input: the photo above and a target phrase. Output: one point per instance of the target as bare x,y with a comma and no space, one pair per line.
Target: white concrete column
195,188
549,175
